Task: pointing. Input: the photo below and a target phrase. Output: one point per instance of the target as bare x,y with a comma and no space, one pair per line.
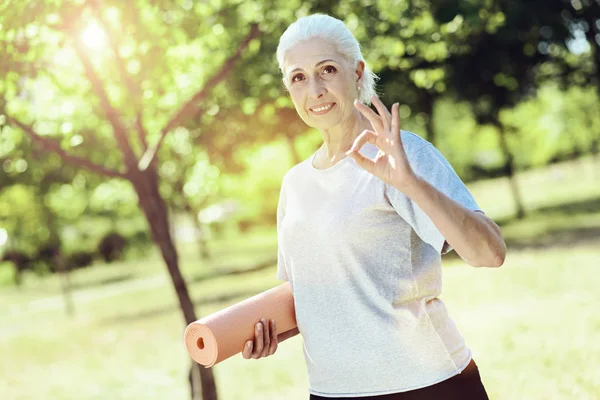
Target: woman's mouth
321,109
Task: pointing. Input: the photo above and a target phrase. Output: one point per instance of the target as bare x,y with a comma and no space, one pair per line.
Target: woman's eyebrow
316,65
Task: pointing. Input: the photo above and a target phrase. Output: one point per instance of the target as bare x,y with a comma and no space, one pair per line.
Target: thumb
361,160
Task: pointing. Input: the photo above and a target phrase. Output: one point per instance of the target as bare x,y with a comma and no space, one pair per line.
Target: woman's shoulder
295,171
412,142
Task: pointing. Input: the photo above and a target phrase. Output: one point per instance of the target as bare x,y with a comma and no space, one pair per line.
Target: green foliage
450,64
258,188
21,215
553,126
114,199
509,43
7,272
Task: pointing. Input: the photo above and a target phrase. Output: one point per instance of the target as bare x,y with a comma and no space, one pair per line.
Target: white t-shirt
364,264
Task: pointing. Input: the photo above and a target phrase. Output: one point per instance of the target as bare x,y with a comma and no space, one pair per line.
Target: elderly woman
362,224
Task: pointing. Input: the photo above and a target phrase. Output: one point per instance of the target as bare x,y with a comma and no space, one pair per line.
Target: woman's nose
317,90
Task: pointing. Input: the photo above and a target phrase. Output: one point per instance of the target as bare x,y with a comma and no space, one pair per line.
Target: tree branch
141,132
190,108
134,89
113,116
49,144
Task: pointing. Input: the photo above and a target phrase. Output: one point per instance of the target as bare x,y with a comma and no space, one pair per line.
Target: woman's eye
297,78
329,69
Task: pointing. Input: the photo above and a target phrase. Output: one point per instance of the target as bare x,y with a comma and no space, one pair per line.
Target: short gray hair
333,30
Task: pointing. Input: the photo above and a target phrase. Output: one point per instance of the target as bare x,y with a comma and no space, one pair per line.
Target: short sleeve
281,271
430,165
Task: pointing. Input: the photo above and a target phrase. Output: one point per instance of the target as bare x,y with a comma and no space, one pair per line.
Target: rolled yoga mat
223,334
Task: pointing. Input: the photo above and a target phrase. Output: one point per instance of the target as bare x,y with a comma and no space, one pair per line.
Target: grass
532,324
554,185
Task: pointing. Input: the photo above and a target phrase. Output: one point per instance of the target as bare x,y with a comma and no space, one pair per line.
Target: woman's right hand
265,341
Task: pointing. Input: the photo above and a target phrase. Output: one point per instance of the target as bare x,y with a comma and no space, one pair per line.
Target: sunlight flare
94,36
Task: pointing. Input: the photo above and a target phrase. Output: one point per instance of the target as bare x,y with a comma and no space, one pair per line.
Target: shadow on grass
218,272
101,282
204,300
580,207
561,238
556,239
198,302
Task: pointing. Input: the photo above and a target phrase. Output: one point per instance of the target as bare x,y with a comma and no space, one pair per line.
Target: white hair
333,30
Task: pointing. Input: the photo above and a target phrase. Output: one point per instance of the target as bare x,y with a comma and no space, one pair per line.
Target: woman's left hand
391,164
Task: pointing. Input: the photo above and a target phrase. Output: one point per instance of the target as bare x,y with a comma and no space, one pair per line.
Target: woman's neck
338,139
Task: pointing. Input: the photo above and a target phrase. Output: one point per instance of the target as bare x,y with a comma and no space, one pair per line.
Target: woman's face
322,84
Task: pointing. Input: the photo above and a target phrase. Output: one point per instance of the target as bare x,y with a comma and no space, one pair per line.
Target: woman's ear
360,71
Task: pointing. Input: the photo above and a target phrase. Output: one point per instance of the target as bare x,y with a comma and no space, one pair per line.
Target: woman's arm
475,237
286,335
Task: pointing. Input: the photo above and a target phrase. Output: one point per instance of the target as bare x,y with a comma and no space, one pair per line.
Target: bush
79,259
47,255
138,243
112,247
20,262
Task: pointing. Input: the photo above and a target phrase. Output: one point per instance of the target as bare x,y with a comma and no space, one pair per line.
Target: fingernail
260,327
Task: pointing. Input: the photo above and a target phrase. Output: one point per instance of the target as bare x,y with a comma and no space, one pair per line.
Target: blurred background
142,148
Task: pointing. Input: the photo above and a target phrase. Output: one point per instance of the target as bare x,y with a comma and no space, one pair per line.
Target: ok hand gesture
391,164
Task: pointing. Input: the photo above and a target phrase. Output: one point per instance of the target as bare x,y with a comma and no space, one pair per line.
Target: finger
383,112
273,348
258,341
370,115
267,338
381,107
364,137
362,161
247,352
395,120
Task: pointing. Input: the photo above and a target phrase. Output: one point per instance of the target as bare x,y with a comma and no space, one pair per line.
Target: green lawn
533,324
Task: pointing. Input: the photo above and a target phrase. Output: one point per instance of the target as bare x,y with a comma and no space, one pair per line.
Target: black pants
464,386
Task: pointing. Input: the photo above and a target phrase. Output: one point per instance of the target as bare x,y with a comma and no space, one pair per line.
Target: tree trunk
60,265
594,143
155,210
510,169
596,154
65,283
203,240
427,107
591,38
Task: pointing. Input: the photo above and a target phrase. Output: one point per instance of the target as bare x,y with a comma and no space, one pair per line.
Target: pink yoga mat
223,334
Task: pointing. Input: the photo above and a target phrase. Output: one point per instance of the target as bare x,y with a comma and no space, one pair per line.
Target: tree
43,40
505,46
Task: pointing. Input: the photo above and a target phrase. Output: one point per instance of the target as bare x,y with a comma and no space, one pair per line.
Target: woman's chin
321,123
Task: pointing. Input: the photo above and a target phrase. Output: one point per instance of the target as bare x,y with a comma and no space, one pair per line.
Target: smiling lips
321,109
